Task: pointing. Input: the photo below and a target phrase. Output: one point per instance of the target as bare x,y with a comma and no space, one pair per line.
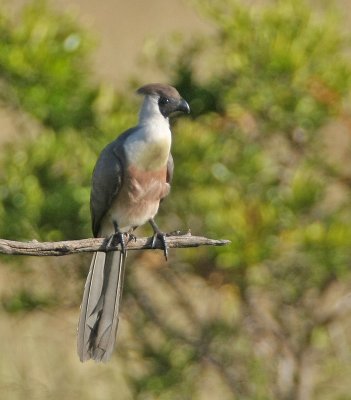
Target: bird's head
164,99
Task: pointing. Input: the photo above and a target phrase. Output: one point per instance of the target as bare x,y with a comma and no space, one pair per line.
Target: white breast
148,148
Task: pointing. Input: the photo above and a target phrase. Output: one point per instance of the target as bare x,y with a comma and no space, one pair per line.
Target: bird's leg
158,234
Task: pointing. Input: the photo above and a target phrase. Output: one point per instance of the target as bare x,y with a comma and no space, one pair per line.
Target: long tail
98,319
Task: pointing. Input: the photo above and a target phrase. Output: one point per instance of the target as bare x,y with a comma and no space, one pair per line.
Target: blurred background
263,160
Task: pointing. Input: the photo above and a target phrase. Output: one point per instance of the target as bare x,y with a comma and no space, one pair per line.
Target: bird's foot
162,237
158,234
119,238
131,237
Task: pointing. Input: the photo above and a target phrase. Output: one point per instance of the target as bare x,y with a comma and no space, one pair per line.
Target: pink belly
137,201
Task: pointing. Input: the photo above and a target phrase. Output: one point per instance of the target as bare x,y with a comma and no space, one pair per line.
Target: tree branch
35,248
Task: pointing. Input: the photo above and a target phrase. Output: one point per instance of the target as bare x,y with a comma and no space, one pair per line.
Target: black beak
183,106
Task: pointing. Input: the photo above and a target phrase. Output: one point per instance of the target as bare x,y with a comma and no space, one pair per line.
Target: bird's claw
162,237
119,238
131,237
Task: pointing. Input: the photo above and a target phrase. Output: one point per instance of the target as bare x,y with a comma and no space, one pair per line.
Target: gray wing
106,183
107,179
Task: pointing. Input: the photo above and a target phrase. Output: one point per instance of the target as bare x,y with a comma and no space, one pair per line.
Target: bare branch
35,248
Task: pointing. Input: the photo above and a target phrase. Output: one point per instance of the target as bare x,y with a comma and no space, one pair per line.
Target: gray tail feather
98,319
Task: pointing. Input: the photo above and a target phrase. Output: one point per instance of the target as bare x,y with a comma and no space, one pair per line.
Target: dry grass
39,361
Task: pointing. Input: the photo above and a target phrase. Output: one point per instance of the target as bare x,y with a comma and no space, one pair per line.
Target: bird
131,177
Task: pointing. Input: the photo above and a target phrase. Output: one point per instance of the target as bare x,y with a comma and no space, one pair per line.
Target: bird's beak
183,106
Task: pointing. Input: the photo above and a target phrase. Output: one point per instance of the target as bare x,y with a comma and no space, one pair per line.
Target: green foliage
254,165
254,170
44,67
44,181
25,301
49,198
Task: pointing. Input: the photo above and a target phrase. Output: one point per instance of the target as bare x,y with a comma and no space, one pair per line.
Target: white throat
149,147
150,112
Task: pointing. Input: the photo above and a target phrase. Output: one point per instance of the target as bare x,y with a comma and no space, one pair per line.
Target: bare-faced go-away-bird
132,175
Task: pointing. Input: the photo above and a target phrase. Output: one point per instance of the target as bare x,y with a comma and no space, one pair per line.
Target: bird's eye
163,100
